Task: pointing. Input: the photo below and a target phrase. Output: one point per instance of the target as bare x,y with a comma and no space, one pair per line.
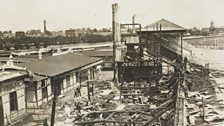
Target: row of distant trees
37,42
198,32
78,30
205,31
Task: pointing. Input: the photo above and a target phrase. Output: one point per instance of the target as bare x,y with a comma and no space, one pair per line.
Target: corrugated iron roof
55,65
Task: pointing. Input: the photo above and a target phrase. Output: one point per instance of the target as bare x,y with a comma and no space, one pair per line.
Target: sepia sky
64,14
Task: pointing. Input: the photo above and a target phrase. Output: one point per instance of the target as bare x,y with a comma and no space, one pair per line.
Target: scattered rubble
108,107
136,103
205,96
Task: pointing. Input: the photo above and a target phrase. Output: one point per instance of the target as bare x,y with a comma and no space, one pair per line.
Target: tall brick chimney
45,28
133,22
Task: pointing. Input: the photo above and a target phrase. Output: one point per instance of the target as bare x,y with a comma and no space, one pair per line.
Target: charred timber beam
106,121
118,111
130,94
159,114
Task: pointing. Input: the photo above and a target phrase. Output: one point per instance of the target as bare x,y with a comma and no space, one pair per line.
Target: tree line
37,42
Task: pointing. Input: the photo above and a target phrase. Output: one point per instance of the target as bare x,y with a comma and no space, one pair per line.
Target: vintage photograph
112,63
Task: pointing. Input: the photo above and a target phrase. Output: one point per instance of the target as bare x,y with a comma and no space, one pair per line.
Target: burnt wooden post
121,86
93,88
203,108
55,91
53,109
90,89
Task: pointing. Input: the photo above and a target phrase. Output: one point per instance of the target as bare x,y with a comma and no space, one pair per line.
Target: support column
114,7
116,39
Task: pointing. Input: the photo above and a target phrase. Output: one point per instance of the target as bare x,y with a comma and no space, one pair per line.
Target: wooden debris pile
107,107
205,96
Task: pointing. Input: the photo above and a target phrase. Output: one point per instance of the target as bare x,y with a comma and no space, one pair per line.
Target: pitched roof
54,65
165,26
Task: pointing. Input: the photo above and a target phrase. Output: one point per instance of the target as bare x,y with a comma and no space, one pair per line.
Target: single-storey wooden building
61,73
12,93
12,96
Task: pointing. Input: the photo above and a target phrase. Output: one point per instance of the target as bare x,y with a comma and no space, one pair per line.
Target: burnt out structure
152,64
133,66
149,49
149,75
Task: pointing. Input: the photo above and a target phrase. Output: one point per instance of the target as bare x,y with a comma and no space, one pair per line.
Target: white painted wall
19,88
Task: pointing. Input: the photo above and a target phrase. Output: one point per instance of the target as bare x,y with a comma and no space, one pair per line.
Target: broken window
78,77
68,81
44,89
84,76
13,101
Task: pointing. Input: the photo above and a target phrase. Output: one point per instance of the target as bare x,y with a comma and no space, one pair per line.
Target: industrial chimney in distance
45,29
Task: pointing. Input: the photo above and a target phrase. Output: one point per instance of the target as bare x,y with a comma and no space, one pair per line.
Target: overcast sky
64,14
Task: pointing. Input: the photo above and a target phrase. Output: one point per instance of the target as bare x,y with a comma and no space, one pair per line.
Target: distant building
212,29
20,34
103,33
57,33
70,33
33,33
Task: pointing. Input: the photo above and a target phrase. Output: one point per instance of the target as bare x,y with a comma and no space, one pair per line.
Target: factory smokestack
133,19
45,28
133,22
